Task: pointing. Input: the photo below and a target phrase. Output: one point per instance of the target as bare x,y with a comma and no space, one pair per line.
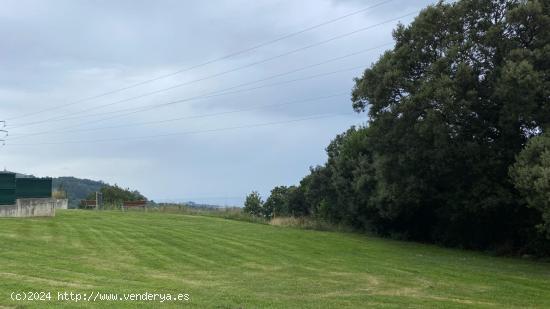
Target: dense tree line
454,150
115,195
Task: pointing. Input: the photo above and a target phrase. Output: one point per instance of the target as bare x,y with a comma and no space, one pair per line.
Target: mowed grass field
232,264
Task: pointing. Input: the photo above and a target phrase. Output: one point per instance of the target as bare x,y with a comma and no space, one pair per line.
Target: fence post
98,200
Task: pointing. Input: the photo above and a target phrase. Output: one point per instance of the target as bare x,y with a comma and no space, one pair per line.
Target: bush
254,204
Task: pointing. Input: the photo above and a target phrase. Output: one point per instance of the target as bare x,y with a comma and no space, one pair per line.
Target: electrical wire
87,115
18,137
225,57
318,116
132,111
242,67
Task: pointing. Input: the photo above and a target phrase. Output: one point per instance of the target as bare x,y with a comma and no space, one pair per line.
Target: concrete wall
32,207
61,203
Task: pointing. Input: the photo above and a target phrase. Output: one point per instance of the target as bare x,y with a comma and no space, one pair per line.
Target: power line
341,36
130,111
18,137
68,117
318,116
204,63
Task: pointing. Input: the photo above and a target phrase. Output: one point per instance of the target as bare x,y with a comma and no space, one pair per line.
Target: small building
27,197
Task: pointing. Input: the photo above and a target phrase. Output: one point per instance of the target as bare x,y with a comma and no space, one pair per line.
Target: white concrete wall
61,203
32,207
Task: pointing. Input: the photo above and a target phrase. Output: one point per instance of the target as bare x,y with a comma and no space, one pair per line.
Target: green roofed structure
27,197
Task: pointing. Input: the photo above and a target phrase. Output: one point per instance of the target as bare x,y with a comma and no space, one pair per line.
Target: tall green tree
450,107
465,88
115,195
531,175
254,204
276,204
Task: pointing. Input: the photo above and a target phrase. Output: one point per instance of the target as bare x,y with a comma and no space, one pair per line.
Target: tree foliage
115,195
531,175
254,204
450,107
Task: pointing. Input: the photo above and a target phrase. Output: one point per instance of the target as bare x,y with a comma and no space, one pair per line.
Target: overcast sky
54,54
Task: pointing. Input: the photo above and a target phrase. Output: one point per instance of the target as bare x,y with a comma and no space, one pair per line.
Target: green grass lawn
231,264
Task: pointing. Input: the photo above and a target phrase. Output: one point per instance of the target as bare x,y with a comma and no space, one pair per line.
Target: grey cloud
55,52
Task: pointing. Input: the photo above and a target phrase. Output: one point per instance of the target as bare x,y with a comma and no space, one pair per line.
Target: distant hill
77,189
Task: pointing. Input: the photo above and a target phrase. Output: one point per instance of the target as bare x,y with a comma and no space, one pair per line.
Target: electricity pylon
5,131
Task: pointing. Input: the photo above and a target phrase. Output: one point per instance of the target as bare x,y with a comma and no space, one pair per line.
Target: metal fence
33,187
7,188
